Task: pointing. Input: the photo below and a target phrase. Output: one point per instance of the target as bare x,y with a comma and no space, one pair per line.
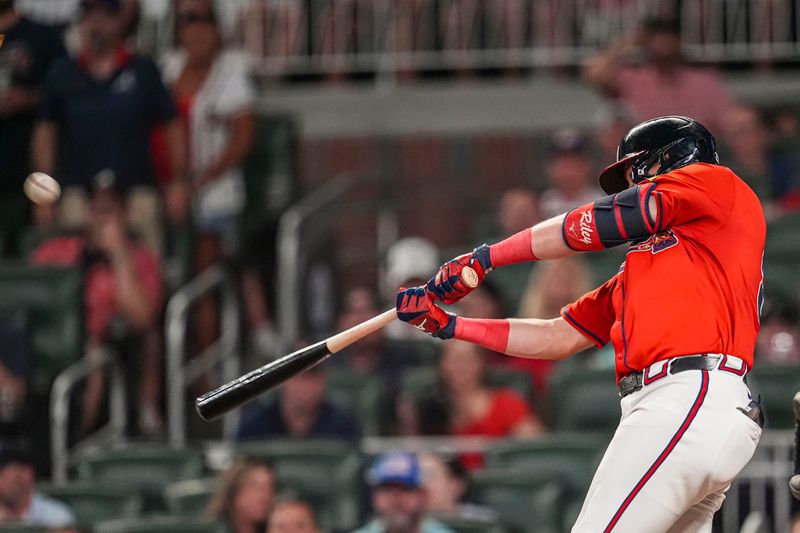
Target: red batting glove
447,285
416,306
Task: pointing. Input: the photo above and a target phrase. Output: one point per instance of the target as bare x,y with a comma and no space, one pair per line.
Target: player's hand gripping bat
233,394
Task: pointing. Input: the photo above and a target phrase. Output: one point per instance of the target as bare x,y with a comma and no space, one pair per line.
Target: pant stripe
664,454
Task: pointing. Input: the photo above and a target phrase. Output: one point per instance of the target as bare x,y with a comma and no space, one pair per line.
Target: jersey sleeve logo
658,242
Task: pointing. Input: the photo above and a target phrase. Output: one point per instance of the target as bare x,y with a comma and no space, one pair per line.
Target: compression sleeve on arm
489,333
610,221
515,249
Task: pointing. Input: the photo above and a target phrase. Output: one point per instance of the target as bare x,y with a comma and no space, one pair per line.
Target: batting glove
447,285
416,306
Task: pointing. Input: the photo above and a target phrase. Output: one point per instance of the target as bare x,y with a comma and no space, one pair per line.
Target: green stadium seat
574,456
160,524
777,386
326,472
359,394
52,300
147,468
463,525
583,399
190,497
527,502
94,502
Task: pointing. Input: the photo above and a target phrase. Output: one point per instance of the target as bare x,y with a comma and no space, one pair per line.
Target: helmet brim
612,178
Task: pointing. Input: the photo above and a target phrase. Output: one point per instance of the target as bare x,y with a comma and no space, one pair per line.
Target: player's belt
636,380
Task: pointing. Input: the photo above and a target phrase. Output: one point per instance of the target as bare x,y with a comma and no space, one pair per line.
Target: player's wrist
489,333
516,249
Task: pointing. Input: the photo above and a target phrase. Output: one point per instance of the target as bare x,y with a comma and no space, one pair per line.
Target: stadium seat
527,502
361,395
583,399
52,299
94,502
189,497
574,456
159,524
148,468
777,386
327,473
463,525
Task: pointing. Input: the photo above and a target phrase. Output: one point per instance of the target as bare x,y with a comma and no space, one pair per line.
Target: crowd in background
146,147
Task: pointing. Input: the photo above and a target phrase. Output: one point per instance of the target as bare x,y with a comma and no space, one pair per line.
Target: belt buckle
633,382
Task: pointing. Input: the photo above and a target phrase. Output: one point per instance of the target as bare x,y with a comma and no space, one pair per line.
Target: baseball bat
794,482
243,389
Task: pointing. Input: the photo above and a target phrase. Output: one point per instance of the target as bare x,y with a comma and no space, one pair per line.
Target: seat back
326,472
526,502
777,385
94,502
190,497
160,524
147,468
52,299
584,400
359,394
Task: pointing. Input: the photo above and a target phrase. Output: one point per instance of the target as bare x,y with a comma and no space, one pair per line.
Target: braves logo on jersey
658,242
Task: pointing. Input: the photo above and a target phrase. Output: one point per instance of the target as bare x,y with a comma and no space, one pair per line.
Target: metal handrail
64,384
225,349
289,234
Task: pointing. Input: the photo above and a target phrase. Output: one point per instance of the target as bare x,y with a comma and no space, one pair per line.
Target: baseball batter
682,315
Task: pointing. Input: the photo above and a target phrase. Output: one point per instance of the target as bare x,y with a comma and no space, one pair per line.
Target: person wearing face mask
28,50
646,72
98,112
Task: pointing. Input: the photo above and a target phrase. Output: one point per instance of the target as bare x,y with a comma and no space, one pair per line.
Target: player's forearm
531,338
542,241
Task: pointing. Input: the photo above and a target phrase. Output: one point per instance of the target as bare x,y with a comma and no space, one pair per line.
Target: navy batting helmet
672,141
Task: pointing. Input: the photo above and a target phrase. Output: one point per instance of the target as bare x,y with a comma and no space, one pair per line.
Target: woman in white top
215,98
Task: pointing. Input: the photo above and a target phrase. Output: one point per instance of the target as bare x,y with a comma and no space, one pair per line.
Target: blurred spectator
245,497
15,369
466,406
123,298
552,285
399,499
661,82
20,502
410,261
292,516
746,137
786,160
571,181
519,209
25,56
97,115
778,341
483,302
215,100
446,482
301,409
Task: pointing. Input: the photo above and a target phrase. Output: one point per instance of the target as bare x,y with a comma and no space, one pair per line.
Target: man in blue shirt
299,410
398,497
100,108
19,501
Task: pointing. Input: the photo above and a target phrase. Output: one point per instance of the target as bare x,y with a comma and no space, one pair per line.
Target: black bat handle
231,395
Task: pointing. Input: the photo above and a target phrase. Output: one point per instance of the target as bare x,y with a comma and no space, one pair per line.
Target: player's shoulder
707,172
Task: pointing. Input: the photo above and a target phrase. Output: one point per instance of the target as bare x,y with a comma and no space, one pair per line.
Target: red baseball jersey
693,287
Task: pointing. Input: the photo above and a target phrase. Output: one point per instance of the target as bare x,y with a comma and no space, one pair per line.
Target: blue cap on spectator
395,468
567,141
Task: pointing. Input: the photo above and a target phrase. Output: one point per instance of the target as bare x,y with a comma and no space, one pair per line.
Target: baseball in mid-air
41,189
